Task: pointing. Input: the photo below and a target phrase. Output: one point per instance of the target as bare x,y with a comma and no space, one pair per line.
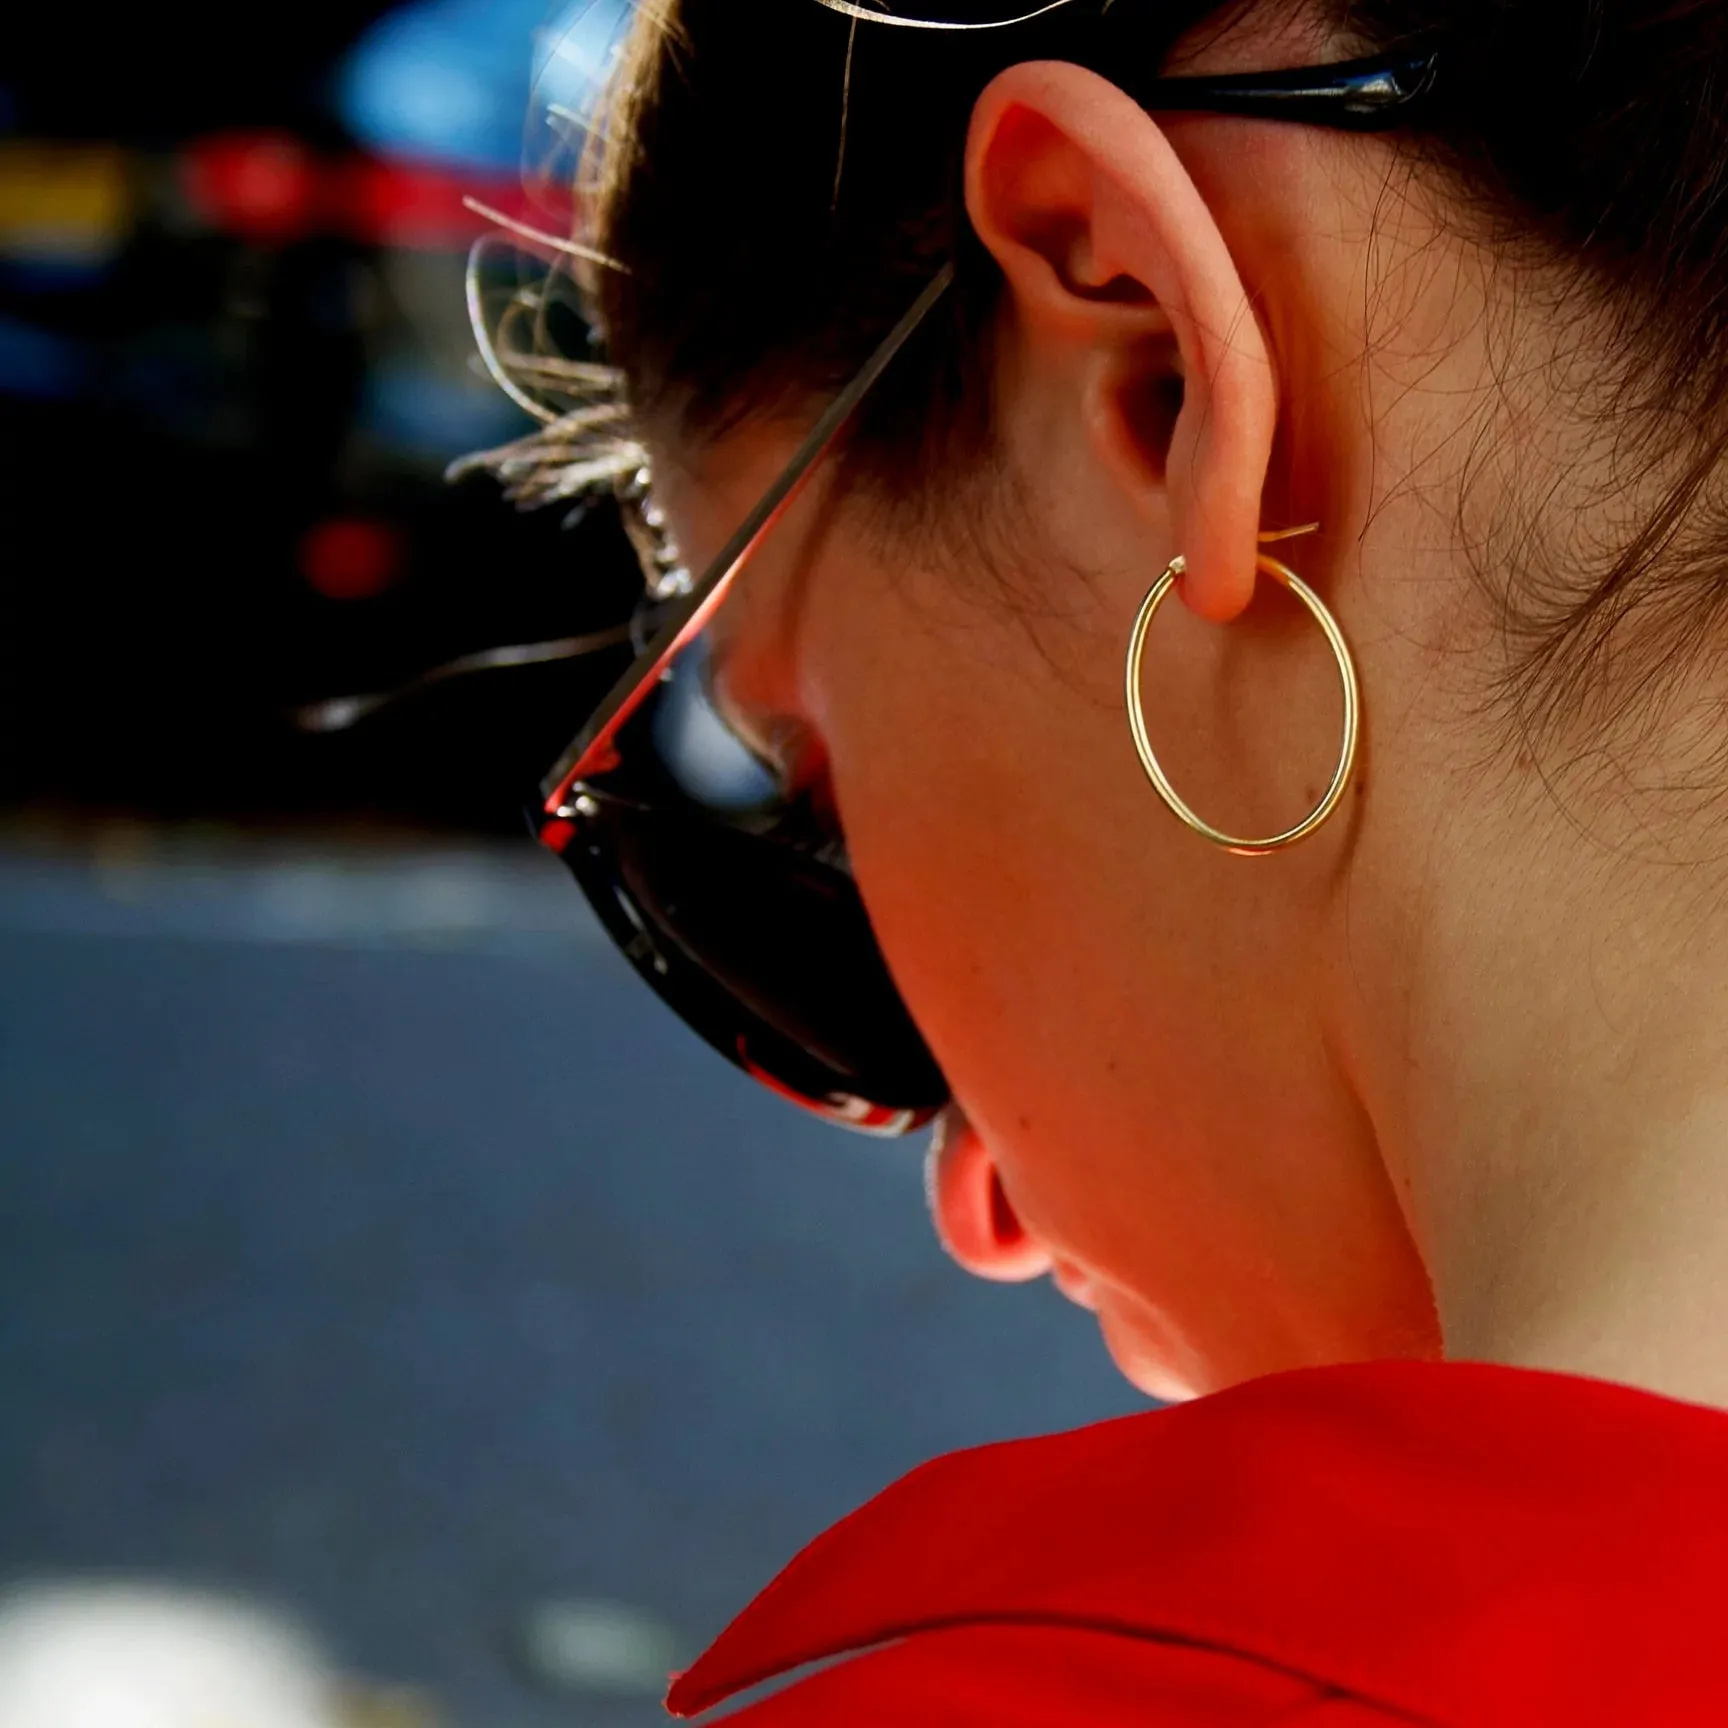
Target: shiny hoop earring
1247,848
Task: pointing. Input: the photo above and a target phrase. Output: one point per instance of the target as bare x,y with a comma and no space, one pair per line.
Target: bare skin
1447,1077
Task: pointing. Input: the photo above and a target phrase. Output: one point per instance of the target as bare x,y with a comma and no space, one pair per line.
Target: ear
1109,248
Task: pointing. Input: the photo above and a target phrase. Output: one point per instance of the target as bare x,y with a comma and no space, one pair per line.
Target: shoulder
1444,1543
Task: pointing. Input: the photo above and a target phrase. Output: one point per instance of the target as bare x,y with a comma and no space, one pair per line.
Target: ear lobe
1106,244
974,1218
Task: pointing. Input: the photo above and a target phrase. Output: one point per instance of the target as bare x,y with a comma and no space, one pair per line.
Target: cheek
992,806
940,781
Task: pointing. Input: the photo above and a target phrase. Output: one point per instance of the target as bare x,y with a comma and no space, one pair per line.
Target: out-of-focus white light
599,1647
133,1656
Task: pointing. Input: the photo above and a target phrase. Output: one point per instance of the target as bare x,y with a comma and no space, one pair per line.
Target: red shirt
1332,1548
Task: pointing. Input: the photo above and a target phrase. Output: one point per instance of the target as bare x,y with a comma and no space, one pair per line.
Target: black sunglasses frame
578,818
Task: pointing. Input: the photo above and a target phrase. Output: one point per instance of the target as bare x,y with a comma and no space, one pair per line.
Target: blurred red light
263,186
411,203
351,559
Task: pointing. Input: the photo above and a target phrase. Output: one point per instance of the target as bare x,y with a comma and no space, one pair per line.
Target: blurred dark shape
234,363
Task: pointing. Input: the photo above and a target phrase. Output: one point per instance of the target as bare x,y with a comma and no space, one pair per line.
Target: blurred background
372,1246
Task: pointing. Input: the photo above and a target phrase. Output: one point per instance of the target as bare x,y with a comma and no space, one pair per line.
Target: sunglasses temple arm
1356,96
592,751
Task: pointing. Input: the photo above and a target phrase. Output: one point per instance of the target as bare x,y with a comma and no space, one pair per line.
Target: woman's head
1238,1106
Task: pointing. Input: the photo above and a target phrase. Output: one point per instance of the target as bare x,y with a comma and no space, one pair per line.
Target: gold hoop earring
1244,847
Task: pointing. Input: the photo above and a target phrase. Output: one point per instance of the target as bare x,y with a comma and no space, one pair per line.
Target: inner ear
1134,407
1068,241
1148,401
1122,290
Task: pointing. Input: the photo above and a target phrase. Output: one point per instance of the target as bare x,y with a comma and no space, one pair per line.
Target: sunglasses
733,899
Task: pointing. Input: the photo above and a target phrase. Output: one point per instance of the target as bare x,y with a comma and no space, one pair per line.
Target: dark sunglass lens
764,949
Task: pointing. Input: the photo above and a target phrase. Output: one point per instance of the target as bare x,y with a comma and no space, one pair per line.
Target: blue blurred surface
470,80
371,1240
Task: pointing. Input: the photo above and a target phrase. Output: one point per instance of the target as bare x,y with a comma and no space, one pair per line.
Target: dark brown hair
778,182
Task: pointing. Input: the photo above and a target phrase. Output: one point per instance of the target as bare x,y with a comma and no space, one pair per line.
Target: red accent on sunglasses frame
883,1119
599,752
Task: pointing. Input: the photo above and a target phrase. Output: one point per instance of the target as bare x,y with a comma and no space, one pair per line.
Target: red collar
1457,1542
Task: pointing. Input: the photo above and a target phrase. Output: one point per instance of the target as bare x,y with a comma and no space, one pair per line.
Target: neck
1610,1261
1569,1146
